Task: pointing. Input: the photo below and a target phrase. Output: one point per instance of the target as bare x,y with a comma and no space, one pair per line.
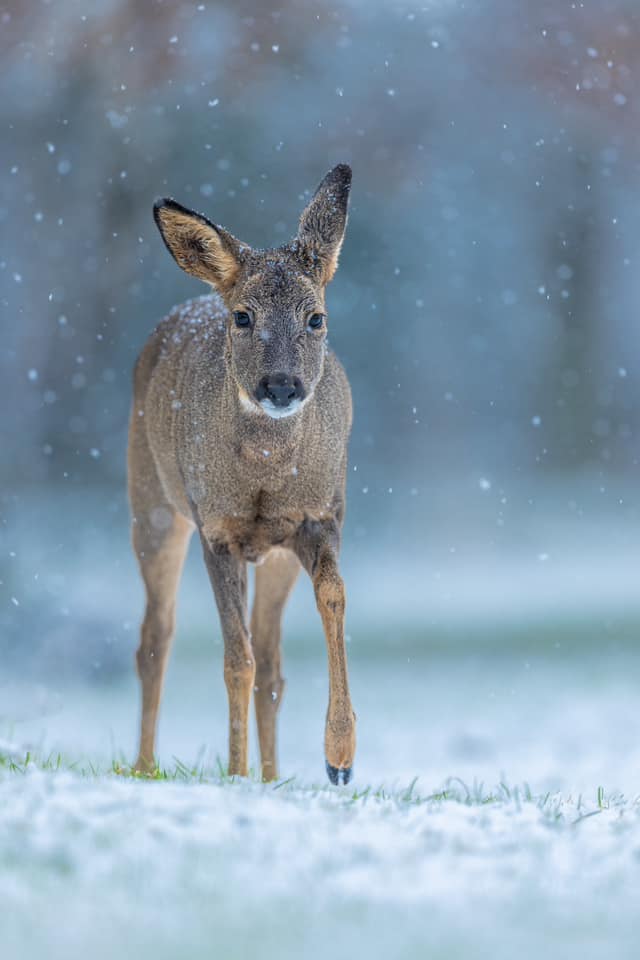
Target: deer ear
198,246
323,223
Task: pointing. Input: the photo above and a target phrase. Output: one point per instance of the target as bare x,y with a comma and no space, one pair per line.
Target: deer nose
281,389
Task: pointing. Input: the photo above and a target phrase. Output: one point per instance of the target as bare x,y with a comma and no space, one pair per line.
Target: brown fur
204,455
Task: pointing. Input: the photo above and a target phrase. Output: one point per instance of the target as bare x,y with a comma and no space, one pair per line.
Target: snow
169,868
534,844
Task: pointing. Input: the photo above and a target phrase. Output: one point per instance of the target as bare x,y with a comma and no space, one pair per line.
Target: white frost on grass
195,869
115,867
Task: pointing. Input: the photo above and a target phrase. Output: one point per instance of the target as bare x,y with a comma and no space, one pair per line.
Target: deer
239,426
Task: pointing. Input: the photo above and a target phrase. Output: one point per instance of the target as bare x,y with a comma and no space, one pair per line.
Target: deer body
239,428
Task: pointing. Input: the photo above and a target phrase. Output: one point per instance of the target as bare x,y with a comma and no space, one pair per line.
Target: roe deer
239,429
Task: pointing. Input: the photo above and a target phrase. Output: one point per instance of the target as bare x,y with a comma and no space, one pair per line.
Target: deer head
277,322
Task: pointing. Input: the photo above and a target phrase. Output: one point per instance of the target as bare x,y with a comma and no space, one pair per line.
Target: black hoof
339,774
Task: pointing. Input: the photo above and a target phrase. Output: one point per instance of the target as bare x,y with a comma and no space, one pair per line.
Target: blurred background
485,309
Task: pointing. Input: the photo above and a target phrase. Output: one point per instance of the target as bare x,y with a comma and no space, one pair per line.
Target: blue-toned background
485,309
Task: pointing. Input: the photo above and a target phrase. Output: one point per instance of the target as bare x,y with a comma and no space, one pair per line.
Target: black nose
281,389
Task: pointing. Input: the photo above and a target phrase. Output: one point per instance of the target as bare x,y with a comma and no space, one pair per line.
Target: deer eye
316,320
242,318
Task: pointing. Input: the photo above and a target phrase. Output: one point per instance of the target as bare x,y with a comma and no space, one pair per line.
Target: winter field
495,806
486,312
495,812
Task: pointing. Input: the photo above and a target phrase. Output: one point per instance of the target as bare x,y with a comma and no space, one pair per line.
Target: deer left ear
198,246
323,223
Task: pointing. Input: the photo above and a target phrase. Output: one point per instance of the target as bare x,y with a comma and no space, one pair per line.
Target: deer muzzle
280,390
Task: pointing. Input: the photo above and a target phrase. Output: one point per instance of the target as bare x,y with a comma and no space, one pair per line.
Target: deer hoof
339,774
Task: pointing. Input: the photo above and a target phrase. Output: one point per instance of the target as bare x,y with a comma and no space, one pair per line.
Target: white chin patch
278,413
268,407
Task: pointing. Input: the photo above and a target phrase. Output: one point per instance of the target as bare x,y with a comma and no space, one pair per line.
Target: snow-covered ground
201,867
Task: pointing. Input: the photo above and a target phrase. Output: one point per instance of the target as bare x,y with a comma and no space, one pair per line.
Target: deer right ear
324,221
198,246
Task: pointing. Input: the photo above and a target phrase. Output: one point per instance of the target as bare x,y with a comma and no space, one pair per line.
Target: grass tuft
556,808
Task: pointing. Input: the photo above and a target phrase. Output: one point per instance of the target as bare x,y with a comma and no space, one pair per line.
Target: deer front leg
317,547
228,577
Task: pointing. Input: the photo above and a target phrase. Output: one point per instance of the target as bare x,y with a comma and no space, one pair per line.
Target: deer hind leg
228,576
274,581
160,540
